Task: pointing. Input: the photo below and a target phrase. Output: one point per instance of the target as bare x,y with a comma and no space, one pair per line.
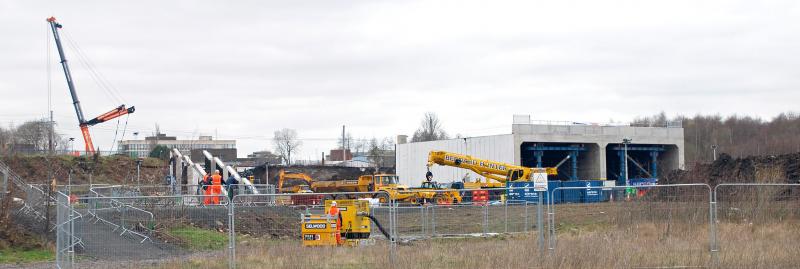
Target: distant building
337,156
377,158
580,151
226,155
258,158
142,148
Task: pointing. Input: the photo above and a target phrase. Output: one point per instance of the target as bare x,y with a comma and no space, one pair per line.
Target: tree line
31,137
738,136
378,151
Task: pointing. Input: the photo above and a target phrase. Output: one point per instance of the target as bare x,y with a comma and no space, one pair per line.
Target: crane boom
499,171
82,122
75,102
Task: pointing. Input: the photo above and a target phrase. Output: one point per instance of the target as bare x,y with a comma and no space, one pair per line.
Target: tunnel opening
573,160
644,161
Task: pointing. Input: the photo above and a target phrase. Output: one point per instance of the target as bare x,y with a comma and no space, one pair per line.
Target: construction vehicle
432,192
283,176
498,171
82,122
302,188
386,187
383,187
355,216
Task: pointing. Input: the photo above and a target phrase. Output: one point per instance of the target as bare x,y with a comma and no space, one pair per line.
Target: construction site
651,193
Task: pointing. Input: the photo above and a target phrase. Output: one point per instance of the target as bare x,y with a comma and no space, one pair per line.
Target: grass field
741,245
20,256
200,239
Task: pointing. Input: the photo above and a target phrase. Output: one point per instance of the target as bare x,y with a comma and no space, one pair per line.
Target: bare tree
735,135
430,129
286,143
347,143
659,120
380,151
360,145
34,134
5,140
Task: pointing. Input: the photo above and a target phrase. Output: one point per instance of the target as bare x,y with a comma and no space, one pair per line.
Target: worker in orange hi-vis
334,212
206,185
216,187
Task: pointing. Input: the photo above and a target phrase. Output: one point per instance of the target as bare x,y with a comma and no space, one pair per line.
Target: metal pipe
231,171
639,166
539,221
224,171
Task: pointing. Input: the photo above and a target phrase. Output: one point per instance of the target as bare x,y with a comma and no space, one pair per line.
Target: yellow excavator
501,172
298,188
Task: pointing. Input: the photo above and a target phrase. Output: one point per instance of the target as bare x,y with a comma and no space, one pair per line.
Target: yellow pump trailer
320,230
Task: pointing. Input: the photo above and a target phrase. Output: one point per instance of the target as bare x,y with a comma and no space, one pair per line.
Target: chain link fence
268,233
676,226
644,226
757,225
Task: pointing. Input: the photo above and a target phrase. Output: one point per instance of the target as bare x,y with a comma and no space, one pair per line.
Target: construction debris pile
753,169
107,170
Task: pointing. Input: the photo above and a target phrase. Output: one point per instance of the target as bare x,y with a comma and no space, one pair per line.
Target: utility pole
51,135
344,156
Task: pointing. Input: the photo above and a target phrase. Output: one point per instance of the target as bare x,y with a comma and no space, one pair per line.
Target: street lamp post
628,190
714,148
138,168
625,142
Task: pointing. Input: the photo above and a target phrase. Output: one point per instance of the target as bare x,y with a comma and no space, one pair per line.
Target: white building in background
595,150
142,148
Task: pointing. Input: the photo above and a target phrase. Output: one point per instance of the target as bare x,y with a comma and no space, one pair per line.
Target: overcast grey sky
243,69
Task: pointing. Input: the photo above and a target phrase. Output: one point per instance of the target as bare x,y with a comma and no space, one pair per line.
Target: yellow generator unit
318,230
321,230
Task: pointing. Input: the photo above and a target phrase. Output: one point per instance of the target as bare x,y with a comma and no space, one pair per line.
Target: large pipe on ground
231,171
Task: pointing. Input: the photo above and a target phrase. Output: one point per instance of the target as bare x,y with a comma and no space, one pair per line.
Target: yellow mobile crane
501,172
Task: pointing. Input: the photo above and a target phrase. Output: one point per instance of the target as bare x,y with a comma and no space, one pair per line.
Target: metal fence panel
64,259
268,228
747,225
758,225
152,230
648,226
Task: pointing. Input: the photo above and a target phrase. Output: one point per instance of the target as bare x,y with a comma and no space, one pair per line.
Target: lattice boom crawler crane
82,122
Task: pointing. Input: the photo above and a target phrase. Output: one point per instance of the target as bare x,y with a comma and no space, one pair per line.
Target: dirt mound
276,222
110,169
11,234
752,169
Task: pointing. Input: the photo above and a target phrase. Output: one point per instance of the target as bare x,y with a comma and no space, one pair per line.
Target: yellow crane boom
499,171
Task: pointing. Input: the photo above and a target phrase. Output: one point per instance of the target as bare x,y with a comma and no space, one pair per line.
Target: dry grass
742,246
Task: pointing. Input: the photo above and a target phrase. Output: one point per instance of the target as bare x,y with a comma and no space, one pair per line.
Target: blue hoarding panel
529,195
